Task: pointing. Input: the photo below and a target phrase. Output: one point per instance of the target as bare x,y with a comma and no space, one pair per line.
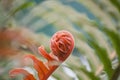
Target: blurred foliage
95,24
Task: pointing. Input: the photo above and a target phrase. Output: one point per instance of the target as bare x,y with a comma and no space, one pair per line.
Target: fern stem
116,73
100,69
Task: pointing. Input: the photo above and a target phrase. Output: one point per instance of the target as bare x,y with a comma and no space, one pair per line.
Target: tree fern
93,23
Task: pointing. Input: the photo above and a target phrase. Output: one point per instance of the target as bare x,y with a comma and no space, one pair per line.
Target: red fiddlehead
61,45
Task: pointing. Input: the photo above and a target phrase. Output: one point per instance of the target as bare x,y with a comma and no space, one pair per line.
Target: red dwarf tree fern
61,45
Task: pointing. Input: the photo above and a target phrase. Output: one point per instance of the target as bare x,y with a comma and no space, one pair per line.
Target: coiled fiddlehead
61,45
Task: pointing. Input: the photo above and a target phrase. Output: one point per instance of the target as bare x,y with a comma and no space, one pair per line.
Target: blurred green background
95,24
